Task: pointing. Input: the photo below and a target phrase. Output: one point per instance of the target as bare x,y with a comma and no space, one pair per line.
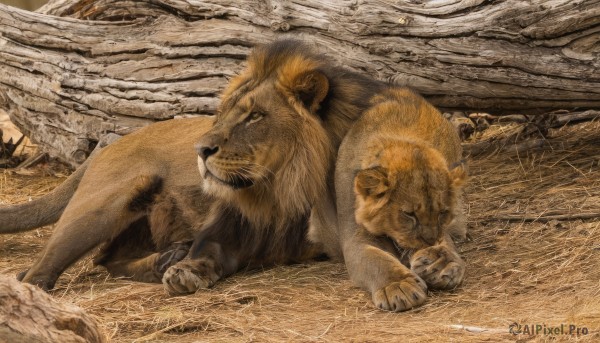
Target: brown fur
278,130
394,182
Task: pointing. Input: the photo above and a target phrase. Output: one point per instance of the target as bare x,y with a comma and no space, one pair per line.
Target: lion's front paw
179,280
188,276
439,266
401,295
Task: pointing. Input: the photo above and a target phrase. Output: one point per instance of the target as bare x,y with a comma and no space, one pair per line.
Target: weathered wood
530,136
28,314
119,64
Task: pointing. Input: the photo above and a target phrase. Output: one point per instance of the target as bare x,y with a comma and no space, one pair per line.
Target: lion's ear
458,174
372,182
310,88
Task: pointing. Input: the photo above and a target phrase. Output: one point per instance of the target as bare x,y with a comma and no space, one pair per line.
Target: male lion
270,153
264,161
394,185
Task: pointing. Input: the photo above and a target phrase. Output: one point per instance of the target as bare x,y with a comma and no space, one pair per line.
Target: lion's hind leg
132,254
94,215
145,250
149,268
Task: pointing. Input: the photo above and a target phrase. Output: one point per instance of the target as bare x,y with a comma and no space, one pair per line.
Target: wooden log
80,69
28,314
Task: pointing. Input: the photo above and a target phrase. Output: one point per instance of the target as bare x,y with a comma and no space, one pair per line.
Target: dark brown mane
247,247
349,93
284,239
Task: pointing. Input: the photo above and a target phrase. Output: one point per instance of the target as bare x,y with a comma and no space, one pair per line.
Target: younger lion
396,191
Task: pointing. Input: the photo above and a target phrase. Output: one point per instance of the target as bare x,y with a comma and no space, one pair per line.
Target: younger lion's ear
458,174
372,182
310,88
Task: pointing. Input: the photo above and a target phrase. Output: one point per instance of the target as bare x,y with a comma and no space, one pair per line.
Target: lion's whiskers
247,169
258,171
263,177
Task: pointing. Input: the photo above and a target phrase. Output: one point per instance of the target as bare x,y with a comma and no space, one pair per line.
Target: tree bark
28,314
85,68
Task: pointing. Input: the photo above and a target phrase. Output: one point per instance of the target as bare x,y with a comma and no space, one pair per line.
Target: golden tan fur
405,188
285,153
408,194
395,184
314,101
121,199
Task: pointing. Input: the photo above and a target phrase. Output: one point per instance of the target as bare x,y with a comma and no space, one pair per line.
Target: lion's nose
205,151
210,144
430,236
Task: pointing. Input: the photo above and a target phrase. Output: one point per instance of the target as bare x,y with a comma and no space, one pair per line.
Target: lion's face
249,141
268,146
410,196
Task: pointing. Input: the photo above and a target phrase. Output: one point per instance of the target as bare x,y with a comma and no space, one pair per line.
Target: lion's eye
254,117
444,216
410,215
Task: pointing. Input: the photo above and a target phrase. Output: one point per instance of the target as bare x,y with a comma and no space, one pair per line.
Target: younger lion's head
409,194
268,152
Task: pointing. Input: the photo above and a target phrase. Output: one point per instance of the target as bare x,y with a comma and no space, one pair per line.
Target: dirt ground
533,259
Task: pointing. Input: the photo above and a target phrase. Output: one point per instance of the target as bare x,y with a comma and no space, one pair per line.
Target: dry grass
541,271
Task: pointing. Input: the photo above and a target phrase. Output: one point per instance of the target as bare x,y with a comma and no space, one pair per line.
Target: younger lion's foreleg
393,286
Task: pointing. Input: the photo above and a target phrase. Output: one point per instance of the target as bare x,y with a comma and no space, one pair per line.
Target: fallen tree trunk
28,314
115,65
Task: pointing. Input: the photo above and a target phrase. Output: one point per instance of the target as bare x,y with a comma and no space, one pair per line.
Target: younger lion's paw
440,267
401,295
